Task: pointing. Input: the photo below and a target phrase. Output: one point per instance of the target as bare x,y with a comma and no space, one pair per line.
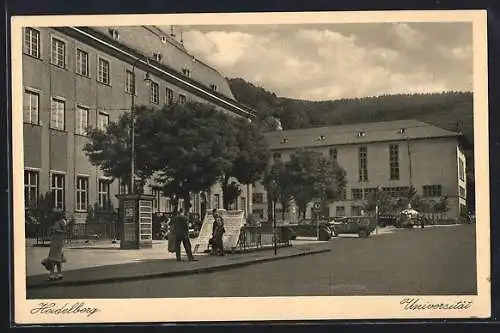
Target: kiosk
136,221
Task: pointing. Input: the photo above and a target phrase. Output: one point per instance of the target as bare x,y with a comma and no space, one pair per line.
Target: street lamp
274,217
132,123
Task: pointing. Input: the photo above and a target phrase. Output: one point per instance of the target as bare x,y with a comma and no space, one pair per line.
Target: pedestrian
181,234
56,254
217,233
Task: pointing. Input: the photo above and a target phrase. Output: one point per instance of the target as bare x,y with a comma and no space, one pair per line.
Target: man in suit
181,232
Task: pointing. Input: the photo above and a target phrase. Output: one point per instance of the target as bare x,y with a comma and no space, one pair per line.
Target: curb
197,270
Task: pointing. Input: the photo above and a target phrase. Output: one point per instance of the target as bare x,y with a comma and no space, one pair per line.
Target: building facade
74,77
392,155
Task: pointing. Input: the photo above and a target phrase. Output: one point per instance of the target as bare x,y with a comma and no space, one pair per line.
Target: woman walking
56,253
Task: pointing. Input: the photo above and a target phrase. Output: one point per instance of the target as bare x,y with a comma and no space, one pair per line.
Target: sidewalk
167,266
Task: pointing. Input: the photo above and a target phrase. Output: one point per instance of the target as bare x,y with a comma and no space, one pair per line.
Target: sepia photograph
275,166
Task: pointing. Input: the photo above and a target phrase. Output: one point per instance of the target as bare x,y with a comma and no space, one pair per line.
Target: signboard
129,226
145,219
233,222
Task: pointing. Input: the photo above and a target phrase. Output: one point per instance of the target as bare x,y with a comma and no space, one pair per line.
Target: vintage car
363,226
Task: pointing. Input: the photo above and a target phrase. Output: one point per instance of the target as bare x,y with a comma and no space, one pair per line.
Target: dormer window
361,134
321,138
157,56
163,39
402,131
186,72
213,87
114,34
284,140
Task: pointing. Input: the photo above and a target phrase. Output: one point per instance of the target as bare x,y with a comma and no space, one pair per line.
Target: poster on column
233,222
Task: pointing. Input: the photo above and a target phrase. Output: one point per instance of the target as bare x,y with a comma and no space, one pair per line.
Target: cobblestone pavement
430,261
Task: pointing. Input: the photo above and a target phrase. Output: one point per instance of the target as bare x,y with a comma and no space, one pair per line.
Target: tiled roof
355,133
149,40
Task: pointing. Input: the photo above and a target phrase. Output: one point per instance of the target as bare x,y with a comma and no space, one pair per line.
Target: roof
148,40
355,133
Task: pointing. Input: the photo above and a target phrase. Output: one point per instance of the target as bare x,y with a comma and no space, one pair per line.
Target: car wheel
363,233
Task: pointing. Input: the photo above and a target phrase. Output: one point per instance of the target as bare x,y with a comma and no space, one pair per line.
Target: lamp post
132,124
274,190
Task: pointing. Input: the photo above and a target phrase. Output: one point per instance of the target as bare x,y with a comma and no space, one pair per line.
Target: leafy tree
278,187
111,149
314,177
231,193
250,155
442,206
191,148
381,198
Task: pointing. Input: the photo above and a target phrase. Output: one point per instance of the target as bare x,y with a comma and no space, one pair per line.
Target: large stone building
392,155
74,77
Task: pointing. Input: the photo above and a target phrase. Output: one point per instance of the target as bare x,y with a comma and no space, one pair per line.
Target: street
430,261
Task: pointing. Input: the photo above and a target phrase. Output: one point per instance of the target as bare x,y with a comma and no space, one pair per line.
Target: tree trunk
187,202
225,201
203,205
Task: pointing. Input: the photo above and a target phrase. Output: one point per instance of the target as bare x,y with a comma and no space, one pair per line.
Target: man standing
181,232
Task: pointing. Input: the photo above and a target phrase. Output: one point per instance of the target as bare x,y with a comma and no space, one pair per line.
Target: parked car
363,226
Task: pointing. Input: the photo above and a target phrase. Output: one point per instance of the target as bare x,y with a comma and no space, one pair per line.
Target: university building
75,77
392,155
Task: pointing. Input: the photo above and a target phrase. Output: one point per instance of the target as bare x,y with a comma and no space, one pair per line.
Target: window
82,120
213,87
31,107
130,82
58,54
355,211
82,193
123,188
370,193
461,191
82,62
182,99
432,190
396,192
186,72
156,193
154,93
363,167
461,169
333,154
216,201
357,194
57,114
103,71
103,193
258,198
57,188
276,156
157,56
169,96
103,121
394,162
340,211
30,188
32,42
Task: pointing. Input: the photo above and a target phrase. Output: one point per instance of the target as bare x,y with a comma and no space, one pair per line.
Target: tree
441,207
381,199
250,154
43,214
231,193
278,187
314,177
110,150
192,149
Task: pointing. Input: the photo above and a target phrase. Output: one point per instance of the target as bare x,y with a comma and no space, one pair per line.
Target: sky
324,62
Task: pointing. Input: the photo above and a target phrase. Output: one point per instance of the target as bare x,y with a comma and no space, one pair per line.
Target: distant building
392,155
74,77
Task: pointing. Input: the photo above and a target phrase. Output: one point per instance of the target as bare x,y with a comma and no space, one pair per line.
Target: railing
259,237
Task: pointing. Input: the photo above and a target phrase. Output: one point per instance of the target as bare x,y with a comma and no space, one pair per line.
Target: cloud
331,62
411,38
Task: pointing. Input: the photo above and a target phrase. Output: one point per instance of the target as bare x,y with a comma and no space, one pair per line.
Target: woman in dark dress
217,233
